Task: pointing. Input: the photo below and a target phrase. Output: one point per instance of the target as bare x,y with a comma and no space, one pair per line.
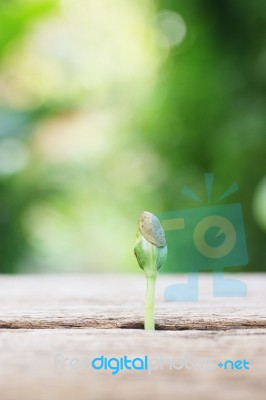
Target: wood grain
29,370
93,301
45,318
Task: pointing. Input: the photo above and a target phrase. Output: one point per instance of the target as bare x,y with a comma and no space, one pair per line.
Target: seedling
151,253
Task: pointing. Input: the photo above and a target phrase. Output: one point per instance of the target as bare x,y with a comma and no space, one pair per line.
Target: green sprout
151,253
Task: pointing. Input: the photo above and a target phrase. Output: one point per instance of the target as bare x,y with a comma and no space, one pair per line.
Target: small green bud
150,248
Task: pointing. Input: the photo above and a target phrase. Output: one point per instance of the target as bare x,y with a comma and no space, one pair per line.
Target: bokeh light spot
171,27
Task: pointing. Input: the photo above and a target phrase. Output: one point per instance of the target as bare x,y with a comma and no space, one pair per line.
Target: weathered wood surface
29,371
216,329
105,301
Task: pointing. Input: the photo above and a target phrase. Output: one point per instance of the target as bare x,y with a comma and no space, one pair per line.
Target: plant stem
149,307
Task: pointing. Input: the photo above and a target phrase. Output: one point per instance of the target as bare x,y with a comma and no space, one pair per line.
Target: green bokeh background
108,108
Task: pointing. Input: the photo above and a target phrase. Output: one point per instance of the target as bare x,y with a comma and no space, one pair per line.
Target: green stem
149,308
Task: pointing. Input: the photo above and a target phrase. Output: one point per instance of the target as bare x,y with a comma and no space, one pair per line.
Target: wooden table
52,326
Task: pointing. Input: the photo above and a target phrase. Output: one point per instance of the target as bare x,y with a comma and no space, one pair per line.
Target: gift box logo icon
207,237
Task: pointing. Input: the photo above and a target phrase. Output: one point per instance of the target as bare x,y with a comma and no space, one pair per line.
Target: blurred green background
109,107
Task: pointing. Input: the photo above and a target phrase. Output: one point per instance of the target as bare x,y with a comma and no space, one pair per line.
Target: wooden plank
117,301
29,367
190,334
